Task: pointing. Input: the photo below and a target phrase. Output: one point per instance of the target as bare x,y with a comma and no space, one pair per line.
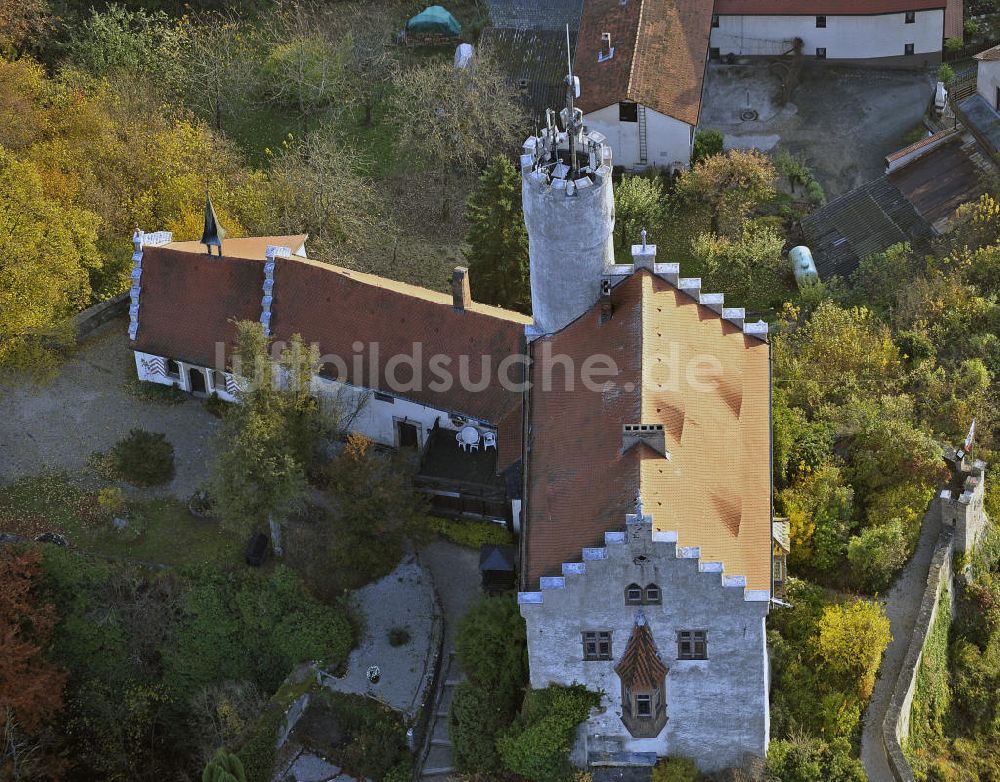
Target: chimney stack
644,255
461,292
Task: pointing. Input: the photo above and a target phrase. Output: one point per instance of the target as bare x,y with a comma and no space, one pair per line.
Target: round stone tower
569,211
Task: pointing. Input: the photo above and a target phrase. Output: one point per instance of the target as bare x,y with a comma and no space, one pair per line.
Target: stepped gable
641,667
686,362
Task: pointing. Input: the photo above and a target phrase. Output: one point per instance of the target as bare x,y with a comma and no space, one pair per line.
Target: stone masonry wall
717,709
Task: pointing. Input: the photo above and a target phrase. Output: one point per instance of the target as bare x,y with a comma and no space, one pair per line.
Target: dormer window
644,684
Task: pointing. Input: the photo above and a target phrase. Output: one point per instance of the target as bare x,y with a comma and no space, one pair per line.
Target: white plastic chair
489,440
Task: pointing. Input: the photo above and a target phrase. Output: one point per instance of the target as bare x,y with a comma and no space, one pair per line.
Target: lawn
160,531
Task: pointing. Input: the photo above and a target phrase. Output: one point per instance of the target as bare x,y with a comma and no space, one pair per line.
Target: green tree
639,204
269,440
805,759
498,241
224,767
877,554
706,144
820,509
748,269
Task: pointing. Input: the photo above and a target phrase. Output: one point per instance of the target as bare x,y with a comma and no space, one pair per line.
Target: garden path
902,605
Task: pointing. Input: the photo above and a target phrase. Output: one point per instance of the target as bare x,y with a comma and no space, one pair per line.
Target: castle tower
569,211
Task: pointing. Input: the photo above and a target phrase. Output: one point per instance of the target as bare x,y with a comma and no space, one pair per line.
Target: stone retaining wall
86,322
896,726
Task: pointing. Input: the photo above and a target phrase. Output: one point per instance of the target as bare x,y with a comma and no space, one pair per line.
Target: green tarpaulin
434,19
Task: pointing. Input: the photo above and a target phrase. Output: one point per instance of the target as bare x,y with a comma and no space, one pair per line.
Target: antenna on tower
570,120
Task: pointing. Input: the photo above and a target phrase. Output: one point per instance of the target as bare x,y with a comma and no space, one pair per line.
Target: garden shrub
216,405
706,144
476,719
144,458
147,391
491,644
224,767
877,554
111,500
814,190
374,741
472,534
677,769
806,759
537,745
399,636
852,639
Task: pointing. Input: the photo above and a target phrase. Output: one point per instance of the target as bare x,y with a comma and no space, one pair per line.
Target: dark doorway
407,435
197,378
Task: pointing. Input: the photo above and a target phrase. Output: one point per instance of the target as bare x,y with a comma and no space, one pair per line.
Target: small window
643,706
597,645
908,49
715,20
384,398
652,595
633,595
628,111
911,17
218,380
692,645
820,52
173,368
821,21
714,53
329,372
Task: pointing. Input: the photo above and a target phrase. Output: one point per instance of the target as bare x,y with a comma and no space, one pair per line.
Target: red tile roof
823,7
661,47
990,55
954,21
641,667
713,491
189,299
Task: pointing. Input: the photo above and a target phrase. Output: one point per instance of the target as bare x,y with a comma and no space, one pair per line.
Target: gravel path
456,576
86,408
902,605
403,599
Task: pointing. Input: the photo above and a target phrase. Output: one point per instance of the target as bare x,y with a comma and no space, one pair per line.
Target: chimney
461,292
644,255
607,50
652,435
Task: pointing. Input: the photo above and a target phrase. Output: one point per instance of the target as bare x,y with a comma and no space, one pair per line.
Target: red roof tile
954,21
641,667
660,46
713,491
990,55
188,300
823,7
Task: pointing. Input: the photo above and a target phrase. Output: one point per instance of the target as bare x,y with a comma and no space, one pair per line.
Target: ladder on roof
642,135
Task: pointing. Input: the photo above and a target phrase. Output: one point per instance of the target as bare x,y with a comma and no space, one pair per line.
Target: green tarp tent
434,19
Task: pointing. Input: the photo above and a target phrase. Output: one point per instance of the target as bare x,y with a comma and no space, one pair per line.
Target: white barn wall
845,37
988,81
668,140
147,368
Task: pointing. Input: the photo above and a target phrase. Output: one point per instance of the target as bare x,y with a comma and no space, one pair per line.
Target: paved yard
844,120
86,408
404,600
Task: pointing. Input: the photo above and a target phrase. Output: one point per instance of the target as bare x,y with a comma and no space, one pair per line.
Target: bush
147,391
399,636
224,767
953,44
216,405
675,770
706,144
814,191
476,719
877,554
538,744
472,534
492,645
374,744
804,759
945,73
144,458
111,500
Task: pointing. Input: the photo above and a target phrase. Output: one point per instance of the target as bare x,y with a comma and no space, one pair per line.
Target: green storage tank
803,266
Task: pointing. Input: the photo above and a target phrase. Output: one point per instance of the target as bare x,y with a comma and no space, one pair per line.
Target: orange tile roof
250,247
189,299
827,7
715,489
661,49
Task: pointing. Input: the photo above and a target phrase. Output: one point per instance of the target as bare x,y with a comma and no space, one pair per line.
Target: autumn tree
498,241
47,251
31,688
452,120
268,441
729,186
23,25
852,638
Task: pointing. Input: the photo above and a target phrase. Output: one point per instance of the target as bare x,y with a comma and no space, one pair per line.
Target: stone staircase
438,763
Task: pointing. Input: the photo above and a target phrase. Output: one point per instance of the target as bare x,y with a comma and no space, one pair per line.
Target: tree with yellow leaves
852,638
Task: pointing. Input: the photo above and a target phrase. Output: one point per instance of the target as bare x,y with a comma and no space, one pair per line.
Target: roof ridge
635,51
